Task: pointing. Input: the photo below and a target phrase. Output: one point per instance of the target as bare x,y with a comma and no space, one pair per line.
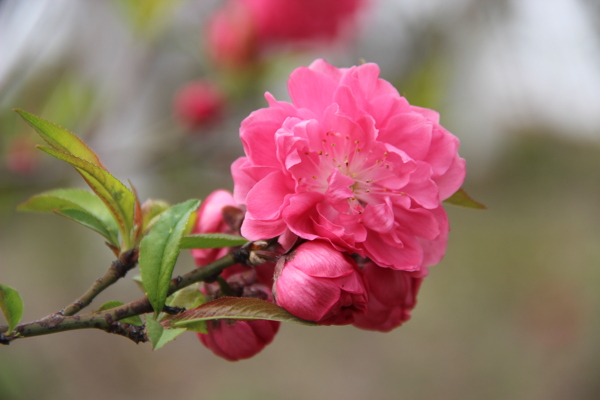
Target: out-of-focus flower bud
198,103
392,295
231,36
318,283
21,157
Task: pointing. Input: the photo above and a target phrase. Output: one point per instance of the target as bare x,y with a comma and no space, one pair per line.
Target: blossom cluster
350,178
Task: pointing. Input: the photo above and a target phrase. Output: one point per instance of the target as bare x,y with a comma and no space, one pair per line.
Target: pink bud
392,295
198,103
319,283
231,36
21,157
237,340
211,219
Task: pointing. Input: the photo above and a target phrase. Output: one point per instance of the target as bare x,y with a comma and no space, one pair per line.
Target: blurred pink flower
318,283
243,29
21,157
350,162
232,36
392,295
198,103
237,340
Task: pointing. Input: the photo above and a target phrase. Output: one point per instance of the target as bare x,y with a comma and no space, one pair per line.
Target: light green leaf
135,320
119,200
211,241
158,335
159,250
189,297
151,209
88,220
461,198
60,138
239,308
98,216
12,306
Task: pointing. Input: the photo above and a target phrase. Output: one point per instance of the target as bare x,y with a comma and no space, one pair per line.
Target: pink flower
318,283
237,340
301,20
350,162
392,295
198,103
211,219
231,36
243,29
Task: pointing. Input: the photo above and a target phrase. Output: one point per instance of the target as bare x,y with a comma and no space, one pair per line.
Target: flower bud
211,219
392,295
318,283
198,103
237,340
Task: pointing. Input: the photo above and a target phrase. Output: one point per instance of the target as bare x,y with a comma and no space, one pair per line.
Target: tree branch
108,320
117,270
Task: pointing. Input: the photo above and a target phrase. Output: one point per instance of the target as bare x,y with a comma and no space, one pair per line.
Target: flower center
366,164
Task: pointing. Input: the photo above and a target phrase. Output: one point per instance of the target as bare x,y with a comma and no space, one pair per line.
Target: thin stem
117,270
108,320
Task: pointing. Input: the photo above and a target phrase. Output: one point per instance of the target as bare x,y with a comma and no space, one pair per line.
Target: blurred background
158,88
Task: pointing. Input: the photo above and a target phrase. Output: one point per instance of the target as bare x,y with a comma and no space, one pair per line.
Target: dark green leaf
211,241
60,138
461,198
158,335
12,306
119,200
135,320
159,250
92,211
239,308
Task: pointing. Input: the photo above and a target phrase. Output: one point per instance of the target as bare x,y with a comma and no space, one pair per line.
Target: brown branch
108,320
117,270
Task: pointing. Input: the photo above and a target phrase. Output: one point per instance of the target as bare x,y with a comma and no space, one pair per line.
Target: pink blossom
198,103
243,29
232,36
237,340
350,162
211,219
392,295
318,283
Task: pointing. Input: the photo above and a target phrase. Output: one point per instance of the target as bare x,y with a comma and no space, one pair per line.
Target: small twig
117,270
106,320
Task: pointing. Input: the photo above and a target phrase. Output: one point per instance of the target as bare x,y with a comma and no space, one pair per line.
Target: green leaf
461,198
90,210
159,250
88,220
151,209
119,200
189,297
60,138
158,335
12,306
135,320
211,241
239,308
